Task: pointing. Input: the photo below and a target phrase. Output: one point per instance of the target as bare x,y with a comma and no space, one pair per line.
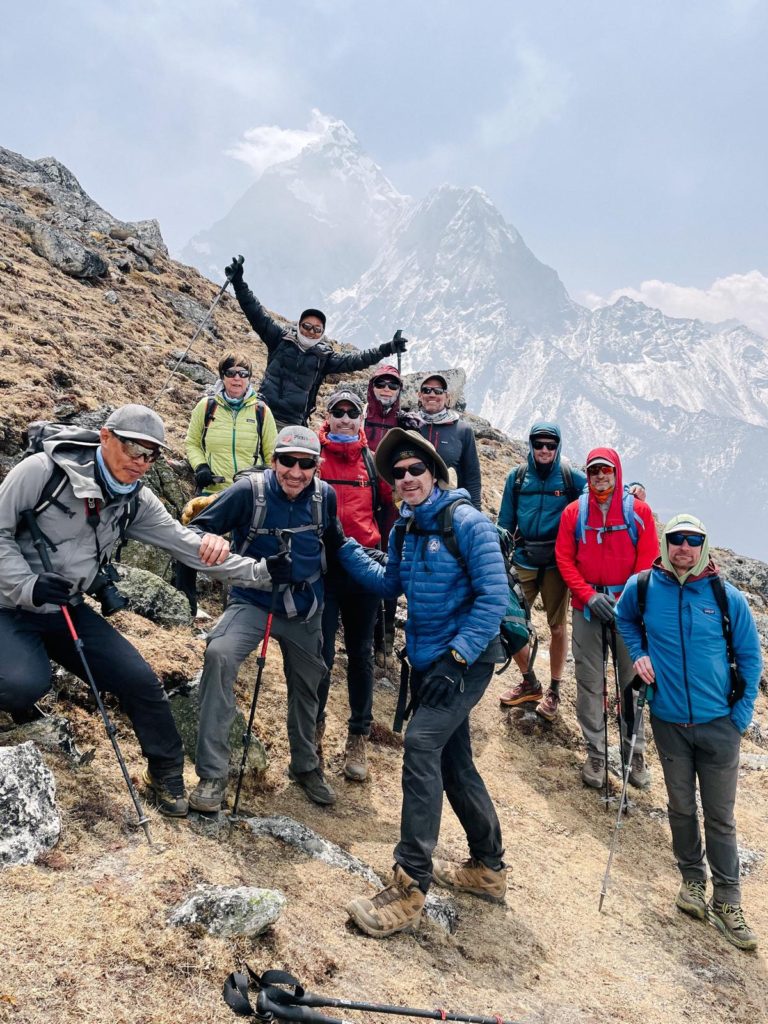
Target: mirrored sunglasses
312,328
415,469
433,391
694,540
289,461
138,451
601,468
237,373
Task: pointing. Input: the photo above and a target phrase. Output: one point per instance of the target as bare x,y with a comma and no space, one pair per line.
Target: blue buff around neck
344,438
113,485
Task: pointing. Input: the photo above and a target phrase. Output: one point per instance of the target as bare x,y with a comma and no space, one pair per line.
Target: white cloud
266,145
741,297
537,93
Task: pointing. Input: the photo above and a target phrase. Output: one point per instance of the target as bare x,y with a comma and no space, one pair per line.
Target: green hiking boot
208,795
692,898
728,918
168,793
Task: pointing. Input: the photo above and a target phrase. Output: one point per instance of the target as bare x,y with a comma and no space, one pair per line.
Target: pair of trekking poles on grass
281,997
632,718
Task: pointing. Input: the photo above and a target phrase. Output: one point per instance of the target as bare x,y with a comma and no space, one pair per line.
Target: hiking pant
28,640
588,656
239,631
709,752
437,759
358,615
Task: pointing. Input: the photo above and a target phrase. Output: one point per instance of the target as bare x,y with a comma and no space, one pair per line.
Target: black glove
280,566
50,588
603,606
234,271
376,555
441,681
203,475
397,344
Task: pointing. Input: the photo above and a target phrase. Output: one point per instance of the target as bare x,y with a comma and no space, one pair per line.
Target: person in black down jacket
298,359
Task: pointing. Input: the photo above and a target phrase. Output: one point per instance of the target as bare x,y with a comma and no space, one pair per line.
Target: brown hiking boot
208,795
168,793
639,776
471,876
728,918
355,758
548,705
395,909
524,693
593,772
692,898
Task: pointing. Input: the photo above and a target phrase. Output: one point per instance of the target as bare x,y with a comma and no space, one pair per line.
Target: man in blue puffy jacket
455,607
535,495
699,711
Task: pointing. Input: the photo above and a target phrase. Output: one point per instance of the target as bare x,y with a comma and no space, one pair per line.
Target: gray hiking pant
238,632
709,752
588,656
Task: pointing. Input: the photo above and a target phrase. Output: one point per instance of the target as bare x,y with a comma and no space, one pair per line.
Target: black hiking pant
358,615
438,758
29,641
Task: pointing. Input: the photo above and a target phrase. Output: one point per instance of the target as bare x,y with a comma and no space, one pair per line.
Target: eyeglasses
550,446
245,374
289,461
340,414
312,329
433,391
596,470
415,469
386,385
138,451
694,540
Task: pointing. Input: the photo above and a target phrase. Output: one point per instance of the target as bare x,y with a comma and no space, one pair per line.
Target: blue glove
441,681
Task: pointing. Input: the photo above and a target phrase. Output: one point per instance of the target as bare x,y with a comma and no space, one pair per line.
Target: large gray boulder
152,597
66,253
29,818
229,912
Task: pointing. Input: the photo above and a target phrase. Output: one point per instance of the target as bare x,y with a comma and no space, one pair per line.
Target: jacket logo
433,546
708,611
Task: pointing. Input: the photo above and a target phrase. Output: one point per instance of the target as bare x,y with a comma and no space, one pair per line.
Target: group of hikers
337,524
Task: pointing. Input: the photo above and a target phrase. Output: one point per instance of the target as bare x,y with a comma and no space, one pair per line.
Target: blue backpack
631,520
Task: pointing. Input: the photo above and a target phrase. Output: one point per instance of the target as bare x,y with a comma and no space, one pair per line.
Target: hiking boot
639,776
314,785
692,898
593,772
548,705
355,758
208,795
471,876
395,909
729,919
526,691
168,793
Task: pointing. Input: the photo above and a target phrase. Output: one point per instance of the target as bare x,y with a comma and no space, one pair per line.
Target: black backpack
372,481
718,589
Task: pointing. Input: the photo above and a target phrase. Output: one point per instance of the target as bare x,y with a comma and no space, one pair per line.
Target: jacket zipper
682,651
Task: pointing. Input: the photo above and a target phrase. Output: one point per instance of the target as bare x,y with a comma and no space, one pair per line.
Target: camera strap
93,518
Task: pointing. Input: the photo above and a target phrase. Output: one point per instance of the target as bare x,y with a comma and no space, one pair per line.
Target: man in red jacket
605,536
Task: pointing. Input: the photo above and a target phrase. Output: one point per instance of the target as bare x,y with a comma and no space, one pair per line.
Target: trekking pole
604,628
627,768
398,336
274,1001
617,686
39,542
195,336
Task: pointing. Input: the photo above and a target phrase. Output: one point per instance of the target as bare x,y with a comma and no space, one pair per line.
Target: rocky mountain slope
86,934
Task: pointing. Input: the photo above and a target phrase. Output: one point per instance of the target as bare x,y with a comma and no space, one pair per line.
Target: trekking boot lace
697,889
734,911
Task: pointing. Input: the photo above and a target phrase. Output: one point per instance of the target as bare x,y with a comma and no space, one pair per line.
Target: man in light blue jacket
455,605
700,707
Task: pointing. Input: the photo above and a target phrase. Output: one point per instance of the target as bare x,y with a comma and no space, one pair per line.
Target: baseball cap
434,376
685,523
345,395
600,460
138,423
313,312
297,439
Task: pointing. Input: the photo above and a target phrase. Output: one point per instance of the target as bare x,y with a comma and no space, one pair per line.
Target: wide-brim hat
406,444
137,423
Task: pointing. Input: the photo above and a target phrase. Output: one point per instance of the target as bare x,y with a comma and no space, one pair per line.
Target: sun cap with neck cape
685,523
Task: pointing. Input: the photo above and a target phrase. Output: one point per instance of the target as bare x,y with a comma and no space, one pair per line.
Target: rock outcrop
28,812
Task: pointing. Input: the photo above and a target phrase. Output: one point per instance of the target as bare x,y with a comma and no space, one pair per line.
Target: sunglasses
433,391
415,469
386,385
289,461
138,451
245,374
694,540
596,470
551,446
339,413
312,329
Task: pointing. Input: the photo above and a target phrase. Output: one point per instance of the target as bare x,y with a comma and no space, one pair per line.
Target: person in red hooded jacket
348,467
605,536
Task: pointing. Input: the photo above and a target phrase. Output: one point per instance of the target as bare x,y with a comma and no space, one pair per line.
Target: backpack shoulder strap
258,455
210,414
259,513
373,476
448,531
569,487
737,681
581,518
51,491
632,518
643,579
127,517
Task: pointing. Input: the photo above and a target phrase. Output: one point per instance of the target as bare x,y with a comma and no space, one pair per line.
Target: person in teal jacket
683,659
535,495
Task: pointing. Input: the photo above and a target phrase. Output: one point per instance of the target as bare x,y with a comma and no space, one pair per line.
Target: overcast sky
625,140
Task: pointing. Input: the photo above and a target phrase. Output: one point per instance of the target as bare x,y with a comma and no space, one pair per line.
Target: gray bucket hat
404,444
138,423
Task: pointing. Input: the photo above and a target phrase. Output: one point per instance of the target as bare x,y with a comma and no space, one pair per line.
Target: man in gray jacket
97,501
